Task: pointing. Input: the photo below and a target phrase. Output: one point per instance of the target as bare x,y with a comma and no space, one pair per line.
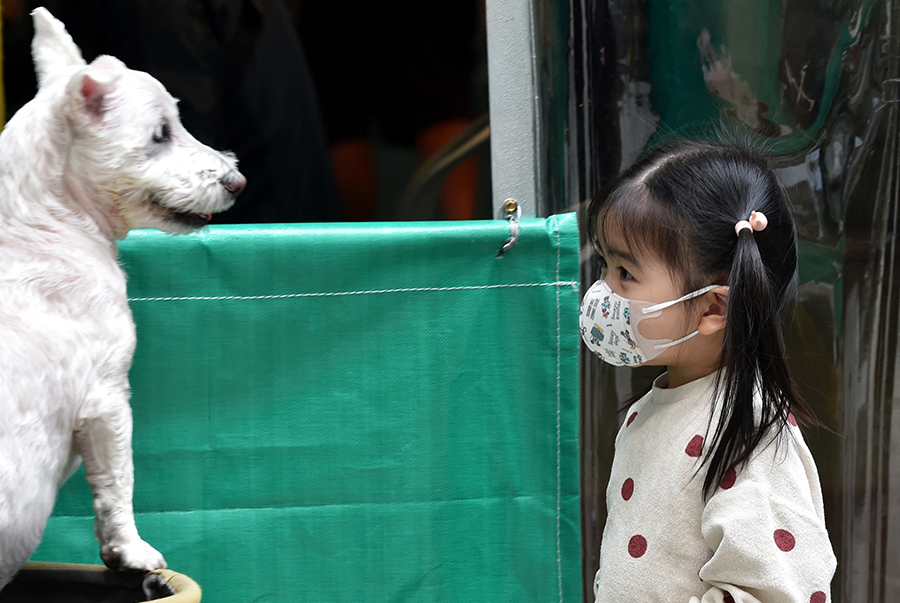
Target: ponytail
754,361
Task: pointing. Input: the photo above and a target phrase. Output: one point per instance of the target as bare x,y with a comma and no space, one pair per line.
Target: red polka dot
784,540
637,546
728,479
792,419
631,419
818,597
695,446
628,488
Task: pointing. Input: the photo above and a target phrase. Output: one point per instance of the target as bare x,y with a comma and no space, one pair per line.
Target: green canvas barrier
380,412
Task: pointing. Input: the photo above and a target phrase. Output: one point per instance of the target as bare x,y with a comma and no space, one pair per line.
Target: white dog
99,151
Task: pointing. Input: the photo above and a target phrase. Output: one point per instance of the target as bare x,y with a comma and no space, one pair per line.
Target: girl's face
646,278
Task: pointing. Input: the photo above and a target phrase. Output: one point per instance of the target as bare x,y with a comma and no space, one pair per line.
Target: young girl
713,495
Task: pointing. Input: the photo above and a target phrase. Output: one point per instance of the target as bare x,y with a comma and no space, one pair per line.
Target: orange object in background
353,162
458,194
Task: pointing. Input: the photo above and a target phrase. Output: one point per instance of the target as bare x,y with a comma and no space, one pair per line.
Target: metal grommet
510,206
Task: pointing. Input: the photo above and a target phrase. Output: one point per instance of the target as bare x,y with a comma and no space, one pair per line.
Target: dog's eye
162,133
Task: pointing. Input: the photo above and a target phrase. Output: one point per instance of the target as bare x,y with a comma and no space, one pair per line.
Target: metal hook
513,213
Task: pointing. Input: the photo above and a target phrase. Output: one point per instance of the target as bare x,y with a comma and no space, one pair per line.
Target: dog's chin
189,221
178,221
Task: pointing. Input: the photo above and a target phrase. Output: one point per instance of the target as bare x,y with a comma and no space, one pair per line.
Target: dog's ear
52,47
89,89
93,92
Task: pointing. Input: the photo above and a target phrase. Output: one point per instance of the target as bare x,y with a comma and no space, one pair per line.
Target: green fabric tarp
381,412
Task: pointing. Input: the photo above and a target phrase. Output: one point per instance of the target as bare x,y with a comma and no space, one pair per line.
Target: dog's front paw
132,556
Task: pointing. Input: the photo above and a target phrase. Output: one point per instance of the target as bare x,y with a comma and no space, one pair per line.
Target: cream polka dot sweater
759,538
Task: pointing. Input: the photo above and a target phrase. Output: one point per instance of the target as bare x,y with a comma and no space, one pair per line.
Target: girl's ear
715,305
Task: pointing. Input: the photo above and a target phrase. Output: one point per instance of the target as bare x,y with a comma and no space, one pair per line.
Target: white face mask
609,325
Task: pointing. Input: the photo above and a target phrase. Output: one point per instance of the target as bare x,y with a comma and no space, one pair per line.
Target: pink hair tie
757,222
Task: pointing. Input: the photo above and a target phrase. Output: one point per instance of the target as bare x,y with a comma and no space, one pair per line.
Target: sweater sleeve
766,528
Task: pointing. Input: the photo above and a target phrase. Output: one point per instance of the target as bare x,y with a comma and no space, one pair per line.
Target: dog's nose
234,182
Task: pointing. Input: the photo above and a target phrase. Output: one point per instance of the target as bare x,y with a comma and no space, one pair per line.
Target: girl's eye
625,275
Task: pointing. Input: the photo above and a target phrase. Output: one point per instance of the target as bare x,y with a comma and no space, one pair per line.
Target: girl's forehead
614,245
621,233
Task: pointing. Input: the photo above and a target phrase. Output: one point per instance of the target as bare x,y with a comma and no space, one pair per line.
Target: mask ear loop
664,305
662,346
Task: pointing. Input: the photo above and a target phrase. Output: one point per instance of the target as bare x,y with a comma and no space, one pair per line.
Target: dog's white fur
99,151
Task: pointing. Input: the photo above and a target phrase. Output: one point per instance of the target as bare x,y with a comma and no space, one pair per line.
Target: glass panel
814,82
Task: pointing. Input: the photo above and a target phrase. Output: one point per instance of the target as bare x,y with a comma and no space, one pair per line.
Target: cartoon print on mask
597,333
591,310
604,307
627,316
628,338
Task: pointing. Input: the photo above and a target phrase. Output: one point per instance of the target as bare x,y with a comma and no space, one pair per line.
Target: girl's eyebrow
621,254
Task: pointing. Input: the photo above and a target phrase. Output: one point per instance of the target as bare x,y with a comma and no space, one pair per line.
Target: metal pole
512,86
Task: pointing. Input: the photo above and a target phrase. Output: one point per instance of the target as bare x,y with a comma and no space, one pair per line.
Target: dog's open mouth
190,220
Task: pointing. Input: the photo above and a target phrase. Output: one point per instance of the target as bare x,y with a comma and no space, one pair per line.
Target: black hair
681,203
